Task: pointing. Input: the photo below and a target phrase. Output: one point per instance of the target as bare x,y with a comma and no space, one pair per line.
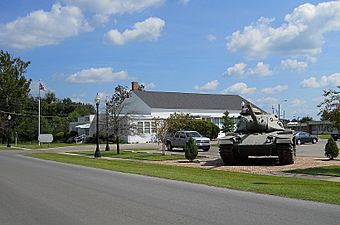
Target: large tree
330,107
14,87
119,116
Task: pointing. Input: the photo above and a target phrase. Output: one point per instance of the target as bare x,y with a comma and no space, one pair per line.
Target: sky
269,52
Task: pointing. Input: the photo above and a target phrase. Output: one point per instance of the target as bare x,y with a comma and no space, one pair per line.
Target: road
42,192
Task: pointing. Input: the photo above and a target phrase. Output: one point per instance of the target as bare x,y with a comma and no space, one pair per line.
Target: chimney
134,86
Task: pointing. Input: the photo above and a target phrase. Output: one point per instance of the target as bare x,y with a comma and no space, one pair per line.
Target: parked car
304,137
181,138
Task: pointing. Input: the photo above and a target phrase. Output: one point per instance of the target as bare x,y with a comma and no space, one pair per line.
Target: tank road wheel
286,153
227,155
240,158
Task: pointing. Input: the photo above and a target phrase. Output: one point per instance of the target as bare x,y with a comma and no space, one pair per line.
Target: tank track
227,155
286,153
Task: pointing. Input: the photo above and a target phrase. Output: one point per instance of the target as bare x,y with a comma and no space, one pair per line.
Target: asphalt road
44,192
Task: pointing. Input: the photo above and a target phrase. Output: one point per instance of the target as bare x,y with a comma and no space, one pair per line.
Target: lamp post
107,148
9,131
97,152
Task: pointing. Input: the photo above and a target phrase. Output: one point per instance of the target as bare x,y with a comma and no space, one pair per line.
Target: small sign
45,138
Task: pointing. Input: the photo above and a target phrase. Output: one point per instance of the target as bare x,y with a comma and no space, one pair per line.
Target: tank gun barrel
252,113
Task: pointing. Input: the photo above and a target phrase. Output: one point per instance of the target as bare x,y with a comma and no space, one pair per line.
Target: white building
148,105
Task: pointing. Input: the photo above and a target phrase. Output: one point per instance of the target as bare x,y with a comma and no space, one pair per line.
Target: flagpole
39,115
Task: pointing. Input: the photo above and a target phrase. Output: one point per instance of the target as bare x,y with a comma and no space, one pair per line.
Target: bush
59,136
206,128
191,151
331,149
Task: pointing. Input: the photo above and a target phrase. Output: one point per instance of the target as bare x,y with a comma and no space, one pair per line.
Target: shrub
331,149
206,128
59,136
191,151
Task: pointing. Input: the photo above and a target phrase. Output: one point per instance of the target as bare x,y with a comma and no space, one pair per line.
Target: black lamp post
107,148
97,152
9,131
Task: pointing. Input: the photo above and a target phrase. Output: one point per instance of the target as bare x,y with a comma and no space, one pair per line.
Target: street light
9,131
97,152
107,148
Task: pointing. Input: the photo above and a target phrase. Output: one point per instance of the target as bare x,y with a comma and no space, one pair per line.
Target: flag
41,87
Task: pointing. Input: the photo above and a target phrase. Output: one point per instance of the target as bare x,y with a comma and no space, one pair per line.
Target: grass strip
333,171
135,155
314,190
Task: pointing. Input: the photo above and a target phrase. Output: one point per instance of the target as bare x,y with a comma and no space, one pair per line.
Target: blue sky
270,52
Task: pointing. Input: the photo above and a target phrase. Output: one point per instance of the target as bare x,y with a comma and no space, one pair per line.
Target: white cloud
212,85
148,30
240,88
97,75
302,34
298,103
267,101
324,81
276,89
184,2
149,86
41,28
261,69
111,7
294,65
211,37
236,70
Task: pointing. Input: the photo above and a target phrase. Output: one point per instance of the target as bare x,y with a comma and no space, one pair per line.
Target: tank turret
253,120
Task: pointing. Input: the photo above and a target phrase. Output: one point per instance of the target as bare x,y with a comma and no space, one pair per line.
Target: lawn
4,147
35,145
314,190
333,171
324,136
135,155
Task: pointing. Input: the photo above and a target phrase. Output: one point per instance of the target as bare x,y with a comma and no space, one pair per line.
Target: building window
153,127
140,127
147,127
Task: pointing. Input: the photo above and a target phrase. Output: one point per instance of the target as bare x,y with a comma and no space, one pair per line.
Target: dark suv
304,137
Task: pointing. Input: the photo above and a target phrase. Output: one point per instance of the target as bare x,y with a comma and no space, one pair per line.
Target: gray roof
176,100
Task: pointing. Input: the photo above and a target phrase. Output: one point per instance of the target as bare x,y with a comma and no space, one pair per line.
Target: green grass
324,136
140,149
314,190
4,147
333,171
135,155
35,145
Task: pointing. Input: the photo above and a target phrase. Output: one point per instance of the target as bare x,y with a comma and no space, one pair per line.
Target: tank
258,134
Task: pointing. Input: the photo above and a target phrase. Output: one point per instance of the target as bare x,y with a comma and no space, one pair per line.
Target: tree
331,149
178,121
14,87
161,127
119,117
204,127
191,151
306,119
330,107
228,123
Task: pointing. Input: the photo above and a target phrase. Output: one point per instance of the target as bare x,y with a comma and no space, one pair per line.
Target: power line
30,114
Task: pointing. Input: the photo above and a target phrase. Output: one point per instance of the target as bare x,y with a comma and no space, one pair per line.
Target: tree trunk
117,140
163,148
